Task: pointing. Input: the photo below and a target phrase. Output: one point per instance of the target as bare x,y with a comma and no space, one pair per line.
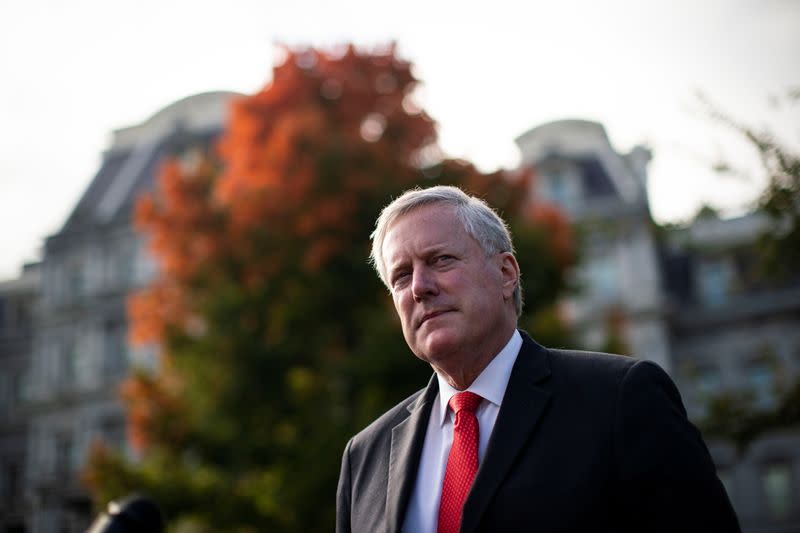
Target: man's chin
438,346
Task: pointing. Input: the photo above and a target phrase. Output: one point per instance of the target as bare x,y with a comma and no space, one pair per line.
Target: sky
72,72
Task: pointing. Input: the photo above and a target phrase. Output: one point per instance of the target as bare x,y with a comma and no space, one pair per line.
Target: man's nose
423,284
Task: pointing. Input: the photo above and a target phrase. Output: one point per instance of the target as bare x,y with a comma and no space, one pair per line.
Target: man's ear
509,270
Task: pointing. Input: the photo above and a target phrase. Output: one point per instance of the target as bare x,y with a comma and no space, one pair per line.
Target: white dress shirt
422,515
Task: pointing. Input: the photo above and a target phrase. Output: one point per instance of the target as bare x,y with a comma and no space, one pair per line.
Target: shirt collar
491,382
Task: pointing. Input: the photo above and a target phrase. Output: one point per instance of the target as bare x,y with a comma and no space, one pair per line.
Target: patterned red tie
462,463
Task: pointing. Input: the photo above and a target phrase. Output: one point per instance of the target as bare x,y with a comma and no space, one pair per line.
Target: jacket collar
407,440
523,404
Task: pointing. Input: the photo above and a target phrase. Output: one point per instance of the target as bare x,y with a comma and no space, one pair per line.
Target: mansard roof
595,180
129,167
605,172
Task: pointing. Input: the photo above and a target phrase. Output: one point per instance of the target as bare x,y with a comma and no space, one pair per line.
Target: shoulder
587,373
620,368
594,362
621,372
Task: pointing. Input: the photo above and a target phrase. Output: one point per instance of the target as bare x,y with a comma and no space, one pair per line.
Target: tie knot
465,400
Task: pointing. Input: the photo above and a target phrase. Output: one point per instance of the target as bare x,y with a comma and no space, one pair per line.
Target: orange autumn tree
277,340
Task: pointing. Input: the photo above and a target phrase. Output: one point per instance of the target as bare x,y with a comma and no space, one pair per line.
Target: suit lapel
523,404
407,439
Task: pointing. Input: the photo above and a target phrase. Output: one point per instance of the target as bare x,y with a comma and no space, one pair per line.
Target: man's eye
443,259
400,278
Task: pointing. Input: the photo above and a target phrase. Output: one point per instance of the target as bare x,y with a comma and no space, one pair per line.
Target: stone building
689,298
604,194
18,302
736,331
80,351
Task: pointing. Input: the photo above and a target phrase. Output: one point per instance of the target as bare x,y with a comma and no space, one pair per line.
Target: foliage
780,199
731,415
277,340
615,333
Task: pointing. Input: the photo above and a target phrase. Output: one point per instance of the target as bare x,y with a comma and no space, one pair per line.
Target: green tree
780,199
277,340
731,414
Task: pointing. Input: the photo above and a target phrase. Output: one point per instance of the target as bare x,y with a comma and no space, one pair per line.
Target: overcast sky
74,71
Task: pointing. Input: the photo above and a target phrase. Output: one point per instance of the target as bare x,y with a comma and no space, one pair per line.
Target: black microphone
134,514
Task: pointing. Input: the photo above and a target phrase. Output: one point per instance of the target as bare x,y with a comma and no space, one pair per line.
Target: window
23,317
121,264
112,430
708,380
11,483
603,275
115,356
145,357
715,280
190,158
705,380
75,280
563,188
760,378
19,388
127,264
5,393
53,283
63,455
559,191
776,482
797,356
68,363
12,389
145,267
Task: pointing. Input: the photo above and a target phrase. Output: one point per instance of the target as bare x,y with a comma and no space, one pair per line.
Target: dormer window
561,185
715,277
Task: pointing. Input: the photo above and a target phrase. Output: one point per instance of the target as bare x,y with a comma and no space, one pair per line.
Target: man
508,435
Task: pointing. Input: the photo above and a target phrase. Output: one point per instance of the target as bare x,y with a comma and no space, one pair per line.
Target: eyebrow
391,269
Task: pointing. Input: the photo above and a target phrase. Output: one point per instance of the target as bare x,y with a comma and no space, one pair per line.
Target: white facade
80,351
604,193
692,302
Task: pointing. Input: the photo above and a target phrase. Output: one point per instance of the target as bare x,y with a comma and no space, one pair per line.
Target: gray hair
480,221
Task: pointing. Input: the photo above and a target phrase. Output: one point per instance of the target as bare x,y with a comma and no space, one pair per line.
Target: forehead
428,226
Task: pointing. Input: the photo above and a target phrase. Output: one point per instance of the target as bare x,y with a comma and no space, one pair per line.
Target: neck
467,370
460,380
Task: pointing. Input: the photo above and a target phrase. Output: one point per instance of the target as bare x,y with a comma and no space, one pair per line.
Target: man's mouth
432,314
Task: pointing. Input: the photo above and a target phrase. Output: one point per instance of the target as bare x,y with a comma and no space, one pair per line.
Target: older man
508,435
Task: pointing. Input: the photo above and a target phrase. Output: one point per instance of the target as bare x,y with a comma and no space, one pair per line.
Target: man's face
454,303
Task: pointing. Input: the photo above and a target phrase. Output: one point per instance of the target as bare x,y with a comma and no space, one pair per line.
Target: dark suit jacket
582,442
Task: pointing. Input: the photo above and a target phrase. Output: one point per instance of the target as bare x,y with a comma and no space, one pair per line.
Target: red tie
462,463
